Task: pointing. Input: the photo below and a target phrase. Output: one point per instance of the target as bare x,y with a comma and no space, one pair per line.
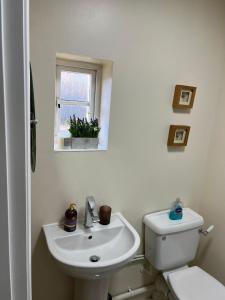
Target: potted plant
84,134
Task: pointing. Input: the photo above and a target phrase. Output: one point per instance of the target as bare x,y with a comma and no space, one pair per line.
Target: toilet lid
195,284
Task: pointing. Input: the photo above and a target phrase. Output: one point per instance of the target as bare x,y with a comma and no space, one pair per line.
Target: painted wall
154,45
212,254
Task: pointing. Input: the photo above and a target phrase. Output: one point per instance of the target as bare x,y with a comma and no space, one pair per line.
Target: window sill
100,148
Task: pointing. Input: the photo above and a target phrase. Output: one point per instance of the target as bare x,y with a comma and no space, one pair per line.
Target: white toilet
170,246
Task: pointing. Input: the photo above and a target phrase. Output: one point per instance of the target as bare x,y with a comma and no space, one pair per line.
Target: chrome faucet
91,214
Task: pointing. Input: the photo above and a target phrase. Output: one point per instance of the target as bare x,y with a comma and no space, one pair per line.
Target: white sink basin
95,252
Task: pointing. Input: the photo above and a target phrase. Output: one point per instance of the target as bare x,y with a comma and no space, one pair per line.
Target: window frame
82,67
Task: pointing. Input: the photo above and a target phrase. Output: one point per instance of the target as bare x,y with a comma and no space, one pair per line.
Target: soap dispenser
176,212
70,221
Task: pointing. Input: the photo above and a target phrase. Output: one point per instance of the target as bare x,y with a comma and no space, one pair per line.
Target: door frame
15,177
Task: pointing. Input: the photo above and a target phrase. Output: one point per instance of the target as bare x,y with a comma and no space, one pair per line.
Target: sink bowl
93,253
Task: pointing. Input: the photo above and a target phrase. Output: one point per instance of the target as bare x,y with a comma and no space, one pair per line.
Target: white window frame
82,67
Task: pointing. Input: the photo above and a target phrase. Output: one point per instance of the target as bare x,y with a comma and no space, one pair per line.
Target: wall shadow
175,149
48,281
182,111
203,250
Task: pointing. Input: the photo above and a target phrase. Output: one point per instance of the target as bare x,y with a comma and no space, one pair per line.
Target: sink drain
94,258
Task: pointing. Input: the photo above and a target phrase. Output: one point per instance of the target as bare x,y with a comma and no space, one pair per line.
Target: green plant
83,128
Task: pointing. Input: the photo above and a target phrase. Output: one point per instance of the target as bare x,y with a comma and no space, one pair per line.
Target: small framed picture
184,97
178,135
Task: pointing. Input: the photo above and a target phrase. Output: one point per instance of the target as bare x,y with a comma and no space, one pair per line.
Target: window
83,88
77,93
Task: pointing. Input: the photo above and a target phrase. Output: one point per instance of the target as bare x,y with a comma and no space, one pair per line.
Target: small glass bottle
70,221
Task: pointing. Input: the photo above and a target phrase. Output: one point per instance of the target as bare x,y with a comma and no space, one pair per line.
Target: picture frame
184,97
178,135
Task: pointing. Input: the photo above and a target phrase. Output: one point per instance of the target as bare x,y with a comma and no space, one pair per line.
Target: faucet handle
96,219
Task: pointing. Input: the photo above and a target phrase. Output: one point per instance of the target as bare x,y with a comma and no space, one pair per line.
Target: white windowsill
100,148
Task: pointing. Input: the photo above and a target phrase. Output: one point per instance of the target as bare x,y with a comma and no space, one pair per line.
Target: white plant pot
84,143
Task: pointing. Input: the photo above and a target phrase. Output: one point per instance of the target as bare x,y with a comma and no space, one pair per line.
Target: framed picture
184,97
178,135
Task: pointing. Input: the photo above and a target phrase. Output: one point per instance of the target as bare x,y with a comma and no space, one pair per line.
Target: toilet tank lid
160,223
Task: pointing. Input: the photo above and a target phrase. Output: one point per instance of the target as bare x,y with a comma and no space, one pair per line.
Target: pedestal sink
92,255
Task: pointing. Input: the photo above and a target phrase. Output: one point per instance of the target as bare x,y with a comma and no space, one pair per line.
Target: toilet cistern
91,214
170,245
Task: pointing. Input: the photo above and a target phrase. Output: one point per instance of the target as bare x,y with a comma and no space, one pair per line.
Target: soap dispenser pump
176,212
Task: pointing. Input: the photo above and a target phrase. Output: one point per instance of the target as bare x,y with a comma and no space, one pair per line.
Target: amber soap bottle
70,221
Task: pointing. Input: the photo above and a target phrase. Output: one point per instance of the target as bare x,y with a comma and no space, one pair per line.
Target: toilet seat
195,284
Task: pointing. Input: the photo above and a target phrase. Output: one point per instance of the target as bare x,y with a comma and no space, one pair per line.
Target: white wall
212,254
154,45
